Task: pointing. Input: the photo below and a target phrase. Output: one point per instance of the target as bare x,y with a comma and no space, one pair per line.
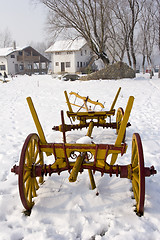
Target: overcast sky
24,19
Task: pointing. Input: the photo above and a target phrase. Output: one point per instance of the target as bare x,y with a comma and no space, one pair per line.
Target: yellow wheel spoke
28,182
136,169
136,187
28,157
135,194
33,188
27,168
33,147
30,193
29,148
26,176
136,177
119,118
36,184
30,152
35,155
133,150
135,159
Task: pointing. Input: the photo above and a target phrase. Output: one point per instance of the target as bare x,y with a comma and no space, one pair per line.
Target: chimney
14,45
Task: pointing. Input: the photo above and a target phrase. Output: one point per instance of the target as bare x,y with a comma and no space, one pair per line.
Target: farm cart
86,112
74,158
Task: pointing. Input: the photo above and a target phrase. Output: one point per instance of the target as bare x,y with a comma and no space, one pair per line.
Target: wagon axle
69,127
122,170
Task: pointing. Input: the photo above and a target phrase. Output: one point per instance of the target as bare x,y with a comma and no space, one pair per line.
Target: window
2,67
78,64
85,52
12,56
69,52
68,64
21,67
57,53
29,66
57,64
20,53
81,53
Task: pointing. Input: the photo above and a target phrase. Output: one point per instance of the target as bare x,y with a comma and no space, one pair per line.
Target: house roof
6,51
67,45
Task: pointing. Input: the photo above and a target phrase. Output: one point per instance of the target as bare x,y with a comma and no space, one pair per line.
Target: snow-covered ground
69,211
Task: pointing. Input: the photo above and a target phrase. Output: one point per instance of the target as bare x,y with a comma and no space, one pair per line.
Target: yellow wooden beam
36,121
68,103
89,133
122,128
75,169
88,99
79,161
115,99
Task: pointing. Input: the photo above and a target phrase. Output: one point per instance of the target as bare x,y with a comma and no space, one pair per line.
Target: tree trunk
104,58
134,62
132,51
143,62
128,55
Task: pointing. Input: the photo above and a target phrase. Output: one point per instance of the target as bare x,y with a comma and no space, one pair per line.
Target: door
16,68
62,67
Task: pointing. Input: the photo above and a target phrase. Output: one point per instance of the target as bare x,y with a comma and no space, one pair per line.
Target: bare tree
118,42
147,34
89,18
157,22
5,38
111,27
127,13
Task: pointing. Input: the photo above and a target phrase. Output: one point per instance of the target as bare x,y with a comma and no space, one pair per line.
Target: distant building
22,60
70,56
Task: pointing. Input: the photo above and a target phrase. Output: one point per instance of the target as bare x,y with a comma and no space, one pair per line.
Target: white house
69,55
21,60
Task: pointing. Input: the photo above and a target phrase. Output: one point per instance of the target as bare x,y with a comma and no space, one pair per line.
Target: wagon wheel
119,117
30,157
138,173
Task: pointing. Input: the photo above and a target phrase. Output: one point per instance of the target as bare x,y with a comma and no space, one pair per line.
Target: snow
67,45
65,210
6,51
84,140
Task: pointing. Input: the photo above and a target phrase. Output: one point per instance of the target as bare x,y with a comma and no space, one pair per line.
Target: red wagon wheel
119,117
30,157
138,173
